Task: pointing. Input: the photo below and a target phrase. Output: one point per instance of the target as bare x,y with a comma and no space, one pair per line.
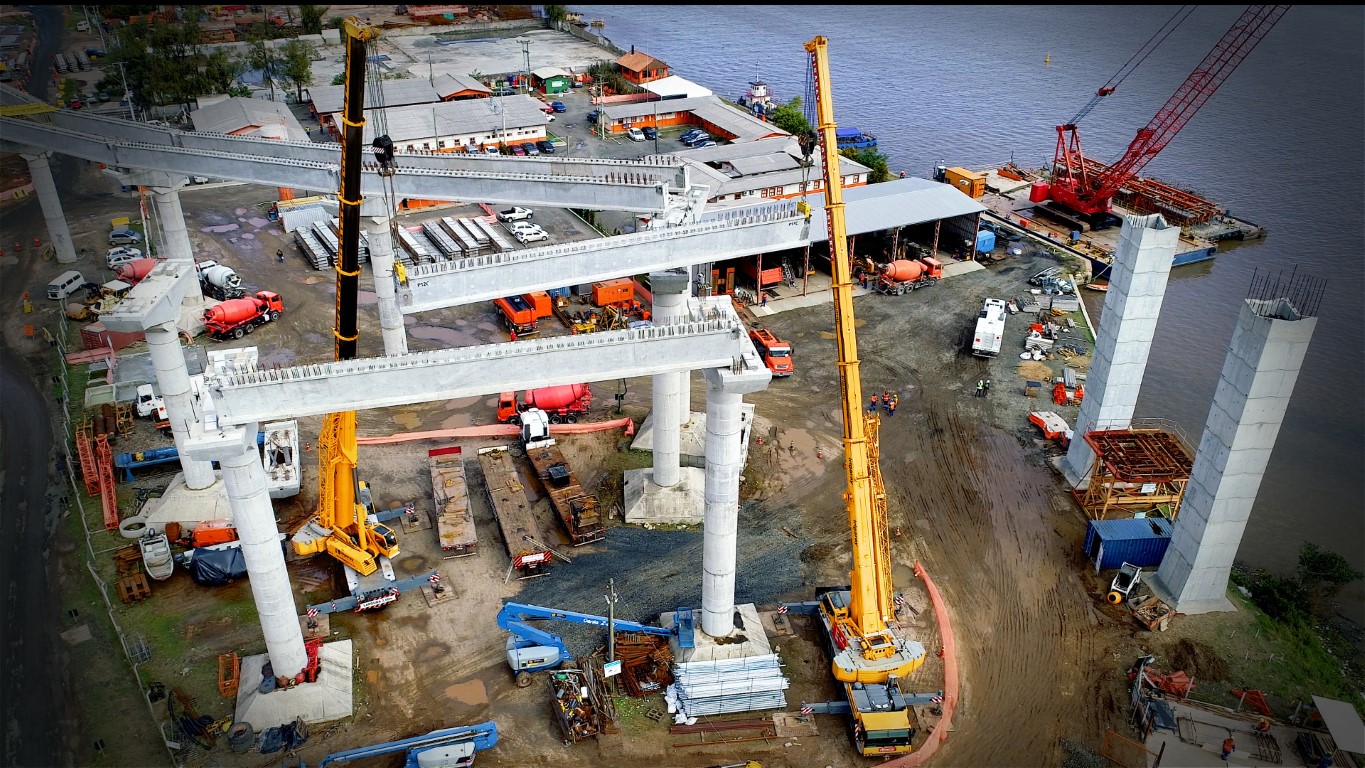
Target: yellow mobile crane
342,525
869,653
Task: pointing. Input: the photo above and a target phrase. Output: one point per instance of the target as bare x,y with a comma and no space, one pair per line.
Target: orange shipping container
612,291
540,303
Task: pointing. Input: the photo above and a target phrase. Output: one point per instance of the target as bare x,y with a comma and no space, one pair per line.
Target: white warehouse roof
676,86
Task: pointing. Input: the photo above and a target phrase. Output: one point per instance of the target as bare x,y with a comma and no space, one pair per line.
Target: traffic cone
307,447
37,242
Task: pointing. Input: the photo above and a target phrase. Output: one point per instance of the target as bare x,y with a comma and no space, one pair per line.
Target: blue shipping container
985,241
559,293
1141,541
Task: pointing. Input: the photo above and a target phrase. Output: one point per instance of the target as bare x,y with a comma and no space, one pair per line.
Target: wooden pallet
134,587
128,559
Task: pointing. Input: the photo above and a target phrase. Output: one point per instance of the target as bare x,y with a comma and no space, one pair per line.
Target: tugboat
758,99
852,138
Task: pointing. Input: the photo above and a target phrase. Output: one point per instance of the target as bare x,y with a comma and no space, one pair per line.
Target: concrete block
681,504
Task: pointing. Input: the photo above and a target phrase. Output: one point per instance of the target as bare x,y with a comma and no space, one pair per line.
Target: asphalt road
29,707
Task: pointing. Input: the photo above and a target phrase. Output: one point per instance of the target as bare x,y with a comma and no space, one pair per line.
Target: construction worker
986,390
886,399
980,388
891,405
1229,746
872,405
279,254
512,334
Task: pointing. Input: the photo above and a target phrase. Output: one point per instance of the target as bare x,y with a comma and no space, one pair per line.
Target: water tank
1038,192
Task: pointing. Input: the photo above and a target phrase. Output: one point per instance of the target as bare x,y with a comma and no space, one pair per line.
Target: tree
339,78
296,65
790,117
260,56
221,70
556,13
310,18
1323,573
876,161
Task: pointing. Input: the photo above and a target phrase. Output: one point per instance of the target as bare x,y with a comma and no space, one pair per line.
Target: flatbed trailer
455,529
577,511
521,531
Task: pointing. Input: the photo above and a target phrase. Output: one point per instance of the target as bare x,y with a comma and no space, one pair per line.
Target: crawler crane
342,526
869,654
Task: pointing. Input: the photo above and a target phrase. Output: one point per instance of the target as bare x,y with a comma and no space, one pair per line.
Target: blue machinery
453,747
531,649
139,459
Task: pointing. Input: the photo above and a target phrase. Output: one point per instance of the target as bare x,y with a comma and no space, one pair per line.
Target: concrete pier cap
725,390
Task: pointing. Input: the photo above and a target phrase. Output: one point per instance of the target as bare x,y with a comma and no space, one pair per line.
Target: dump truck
219,281
904,275
235,318
564,403
522,314
450,492
576,510
776,353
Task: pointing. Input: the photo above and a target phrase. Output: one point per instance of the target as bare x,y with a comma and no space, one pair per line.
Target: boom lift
869,654
445,748
1086,186
531,649
342,526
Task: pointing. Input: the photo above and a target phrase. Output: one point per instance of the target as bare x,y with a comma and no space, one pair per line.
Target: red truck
522,314
905,275
776,353
235,318
563,403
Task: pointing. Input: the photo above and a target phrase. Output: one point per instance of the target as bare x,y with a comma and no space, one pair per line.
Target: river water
1280,144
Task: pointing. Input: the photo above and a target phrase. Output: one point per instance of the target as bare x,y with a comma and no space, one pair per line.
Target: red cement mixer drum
903,270
135,270
233,311
550,398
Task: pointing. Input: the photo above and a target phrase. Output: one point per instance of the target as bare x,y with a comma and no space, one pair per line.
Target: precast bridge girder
636,186
712,337
725,235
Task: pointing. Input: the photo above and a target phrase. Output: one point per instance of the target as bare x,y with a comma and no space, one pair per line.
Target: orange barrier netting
498,430
950,680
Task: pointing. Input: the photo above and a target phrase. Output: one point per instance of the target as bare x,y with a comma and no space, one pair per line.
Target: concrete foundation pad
328,699
744,643
684,503
692,437
179,504
1219,604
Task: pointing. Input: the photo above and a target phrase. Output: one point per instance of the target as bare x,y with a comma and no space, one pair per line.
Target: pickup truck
515,214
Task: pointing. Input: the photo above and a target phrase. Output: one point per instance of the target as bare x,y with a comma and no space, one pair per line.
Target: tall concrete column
57,232
1259,373
670,306
1137,285
254,518
725,389
380,238
173,379
172,219
684,398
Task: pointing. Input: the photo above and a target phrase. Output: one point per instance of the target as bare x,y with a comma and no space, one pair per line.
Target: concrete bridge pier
173,379
172,220
380,237
40,170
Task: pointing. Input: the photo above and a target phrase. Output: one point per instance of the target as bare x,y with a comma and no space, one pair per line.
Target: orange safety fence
498,430
950,678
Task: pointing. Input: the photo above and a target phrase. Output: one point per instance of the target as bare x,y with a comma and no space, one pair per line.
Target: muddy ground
971,498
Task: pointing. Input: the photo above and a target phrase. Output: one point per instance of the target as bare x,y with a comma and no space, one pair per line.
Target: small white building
461,126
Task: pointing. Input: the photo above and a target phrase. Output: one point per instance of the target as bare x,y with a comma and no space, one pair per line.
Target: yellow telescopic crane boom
870,650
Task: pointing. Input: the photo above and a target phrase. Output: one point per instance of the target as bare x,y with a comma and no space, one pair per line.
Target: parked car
517,149
103,96
651,132
704,144
697,138
635,134
124,237
525,237
546,108
558,106
121,254
531,148
490,149
546,148
523,226
549,118
515,214
593,115
689,134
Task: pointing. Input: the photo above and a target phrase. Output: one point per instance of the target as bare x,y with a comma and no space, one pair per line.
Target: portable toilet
985,241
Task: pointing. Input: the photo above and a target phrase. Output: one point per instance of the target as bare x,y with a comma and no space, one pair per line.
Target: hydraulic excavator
344,525
869,652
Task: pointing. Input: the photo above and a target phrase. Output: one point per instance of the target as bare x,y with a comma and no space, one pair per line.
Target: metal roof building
709,110
450,84
676,86
445,124
897,203
770,168
328,99
249,117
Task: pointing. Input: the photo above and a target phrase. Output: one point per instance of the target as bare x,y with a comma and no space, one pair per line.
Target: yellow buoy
1047,59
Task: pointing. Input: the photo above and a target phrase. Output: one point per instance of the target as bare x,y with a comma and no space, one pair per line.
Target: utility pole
611,620
526,63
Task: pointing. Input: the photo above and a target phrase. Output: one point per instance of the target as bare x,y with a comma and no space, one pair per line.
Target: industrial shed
1141,541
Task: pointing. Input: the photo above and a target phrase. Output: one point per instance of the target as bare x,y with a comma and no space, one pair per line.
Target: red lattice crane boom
1075,182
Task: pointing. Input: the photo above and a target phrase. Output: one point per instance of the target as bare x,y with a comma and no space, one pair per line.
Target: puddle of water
409,320
221,228
257,222
248,236
901,576
407,420
458,420
240,212
472,692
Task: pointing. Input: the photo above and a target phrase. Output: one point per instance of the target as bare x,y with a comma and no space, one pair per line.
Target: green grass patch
630,713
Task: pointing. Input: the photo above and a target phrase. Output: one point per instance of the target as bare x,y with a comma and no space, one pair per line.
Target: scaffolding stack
1137,472
729,685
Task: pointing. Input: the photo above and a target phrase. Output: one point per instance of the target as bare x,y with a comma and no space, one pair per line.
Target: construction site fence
63,435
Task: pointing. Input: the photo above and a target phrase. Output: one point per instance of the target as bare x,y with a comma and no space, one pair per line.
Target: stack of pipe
729,685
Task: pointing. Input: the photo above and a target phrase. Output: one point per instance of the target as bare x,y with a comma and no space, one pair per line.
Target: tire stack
241,737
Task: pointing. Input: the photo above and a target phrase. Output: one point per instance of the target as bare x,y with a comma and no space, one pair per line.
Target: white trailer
990,328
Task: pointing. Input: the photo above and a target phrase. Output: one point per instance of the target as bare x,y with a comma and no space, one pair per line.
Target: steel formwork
1136,470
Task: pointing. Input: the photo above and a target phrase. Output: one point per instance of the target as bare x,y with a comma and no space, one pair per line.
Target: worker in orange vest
872,405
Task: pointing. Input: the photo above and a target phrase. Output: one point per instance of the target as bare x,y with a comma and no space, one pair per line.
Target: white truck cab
148,402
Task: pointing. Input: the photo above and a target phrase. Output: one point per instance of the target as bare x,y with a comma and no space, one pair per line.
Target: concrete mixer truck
219,281
133,271
564,403
904,275
235,318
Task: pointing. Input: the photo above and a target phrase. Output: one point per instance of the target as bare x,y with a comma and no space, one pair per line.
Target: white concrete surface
682,503
670,308
1253,393
1137,285
171,218
328,699
173,380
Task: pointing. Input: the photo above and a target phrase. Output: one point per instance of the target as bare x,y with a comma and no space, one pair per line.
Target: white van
66,284
635,134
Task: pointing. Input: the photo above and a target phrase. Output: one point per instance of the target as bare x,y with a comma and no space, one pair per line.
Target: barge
1019,198
853,138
